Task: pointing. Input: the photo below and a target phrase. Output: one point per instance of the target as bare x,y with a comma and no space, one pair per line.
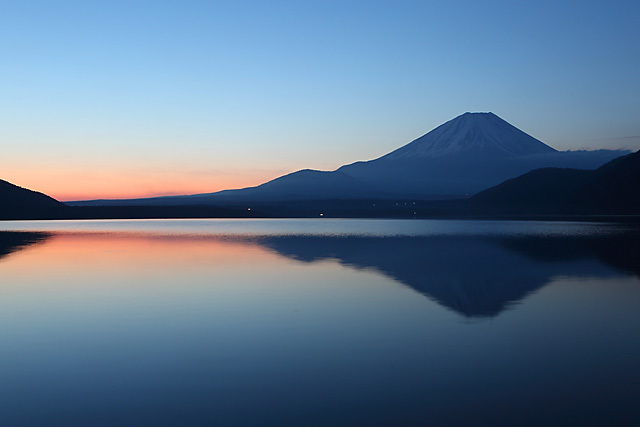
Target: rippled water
319,322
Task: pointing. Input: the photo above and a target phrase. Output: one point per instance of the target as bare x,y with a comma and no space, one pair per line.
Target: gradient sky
138,98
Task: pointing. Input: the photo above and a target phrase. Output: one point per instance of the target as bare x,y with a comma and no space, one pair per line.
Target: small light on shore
321,214
248,209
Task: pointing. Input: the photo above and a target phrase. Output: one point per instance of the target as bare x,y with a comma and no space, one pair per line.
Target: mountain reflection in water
474,276
13,241
249,323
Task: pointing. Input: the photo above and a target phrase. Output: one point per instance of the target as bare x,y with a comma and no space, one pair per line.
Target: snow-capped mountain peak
472,133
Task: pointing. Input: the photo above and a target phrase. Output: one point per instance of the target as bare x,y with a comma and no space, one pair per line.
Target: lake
319,322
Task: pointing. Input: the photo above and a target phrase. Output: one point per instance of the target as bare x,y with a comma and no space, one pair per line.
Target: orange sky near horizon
85,184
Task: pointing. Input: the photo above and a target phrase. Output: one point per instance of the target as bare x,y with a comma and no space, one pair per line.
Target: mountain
612,188
463,156
473,134
18,202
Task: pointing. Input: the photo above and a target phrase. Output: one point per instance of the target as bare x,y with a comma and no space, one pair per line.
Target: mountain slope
13,196
303,185
20,203
612,188
615,185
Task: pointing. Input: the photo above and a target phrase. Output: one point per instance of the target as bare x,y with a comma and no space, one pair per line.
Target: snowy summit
478,133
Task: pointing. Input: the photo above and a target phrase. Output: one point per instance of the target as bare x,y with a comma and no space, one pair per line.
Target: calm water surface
319,322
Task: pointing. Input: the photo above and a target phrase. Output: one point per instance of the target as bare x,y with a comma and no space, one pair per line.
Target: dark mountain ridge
612,188
18,202
11,195
300,185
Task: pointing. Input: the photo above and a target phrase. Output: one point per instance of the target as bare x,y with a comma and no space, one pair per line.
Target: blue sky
125,98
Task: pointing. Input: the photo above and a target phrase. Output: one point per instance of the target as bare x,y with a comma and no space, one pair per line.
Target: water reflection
619,251
474,276
13,241
123,328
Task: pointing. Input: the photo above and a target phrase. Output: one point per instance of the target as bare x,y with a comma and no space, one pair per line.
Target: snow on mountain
479,133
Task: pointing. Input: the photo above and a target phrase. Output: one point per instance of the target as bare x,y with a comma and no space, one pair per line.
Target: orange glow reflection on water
129,255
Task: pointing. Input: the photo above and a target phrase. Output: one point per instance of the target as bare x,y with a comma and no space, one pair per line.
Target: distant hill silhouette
18,202
613,188
300,185
465,155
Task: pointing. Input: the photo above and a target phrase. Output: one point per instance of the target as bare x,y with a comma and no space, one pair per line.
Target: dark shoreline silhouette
401,209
